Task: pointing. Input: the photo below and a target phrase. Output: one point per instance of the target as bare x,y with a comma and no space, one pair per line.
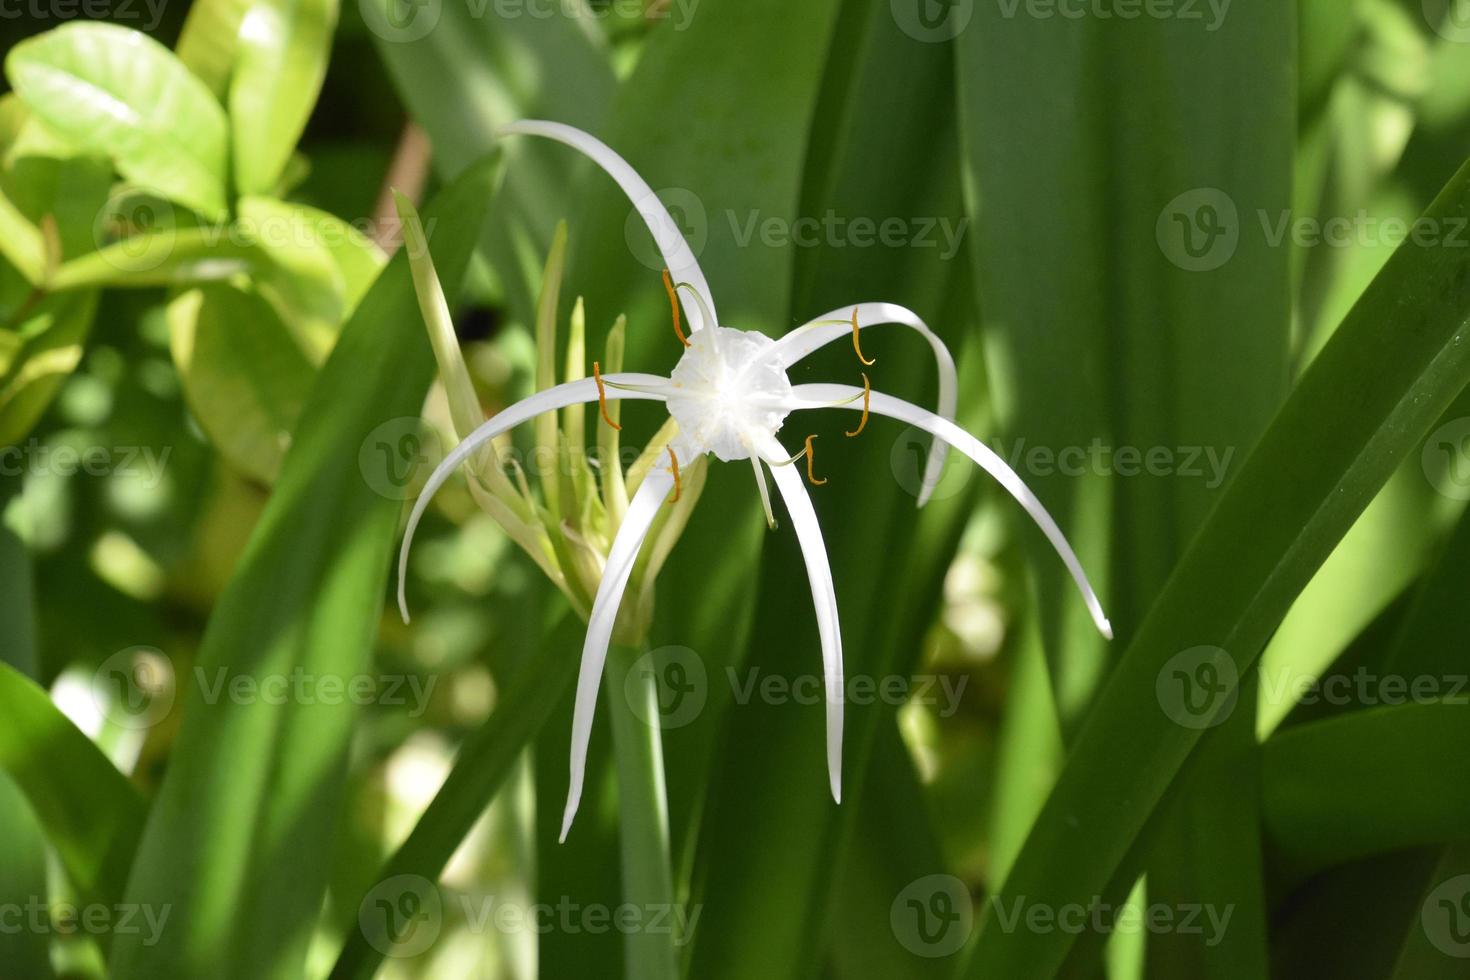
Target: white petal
824,596
620,559
760,482
561,396
805,339
683,266
823,396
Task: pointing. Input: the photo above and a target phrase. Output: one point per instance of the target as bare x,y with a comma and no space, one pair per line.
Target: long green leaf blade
238,840
1395,363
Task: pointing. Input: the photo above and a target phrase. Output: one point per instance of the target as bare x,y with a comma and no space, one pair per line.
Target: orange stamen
674,306
867,392
855,345
602,397
811,477
678,485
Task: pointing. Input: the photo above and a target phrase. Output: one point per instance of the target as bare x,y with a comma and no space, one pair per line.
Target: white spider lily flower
730,395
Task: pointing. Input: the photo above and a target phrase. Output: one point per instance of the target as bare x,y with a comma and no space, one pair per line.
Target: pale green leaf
115,91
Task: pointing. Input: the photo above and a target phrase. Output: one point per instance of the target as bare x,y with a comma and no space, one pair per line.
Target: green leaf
21,242
280,64
114,91
51,335
631,695
166,257
25,952
1387,373
210,39
239,838
302,279
22,840
245,377
1433,948
1412,755
90,812
485,760
463,76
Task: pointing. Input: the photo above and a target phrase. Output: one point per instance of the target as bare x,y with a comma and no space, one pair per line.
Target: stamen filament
855,344
602,397
810,455
862,423
674,306
678,485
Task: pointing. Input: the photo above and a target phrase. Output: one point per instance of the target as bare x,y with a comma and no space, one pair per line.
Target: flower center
727,393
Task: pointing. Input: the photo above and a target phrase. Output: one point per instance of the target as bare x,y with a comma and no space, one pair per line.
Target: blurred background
1136,226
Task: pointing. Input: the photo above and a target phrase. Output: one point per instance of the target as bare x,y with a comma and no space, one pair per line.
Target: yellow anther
602,396
867,392
811,477
857,346
674,306
674,463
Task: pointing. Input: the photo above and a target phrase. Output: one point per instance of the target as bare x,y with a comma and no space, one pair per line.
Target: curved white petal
798,343
620,559
824,596
825,396
571,393
666,233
